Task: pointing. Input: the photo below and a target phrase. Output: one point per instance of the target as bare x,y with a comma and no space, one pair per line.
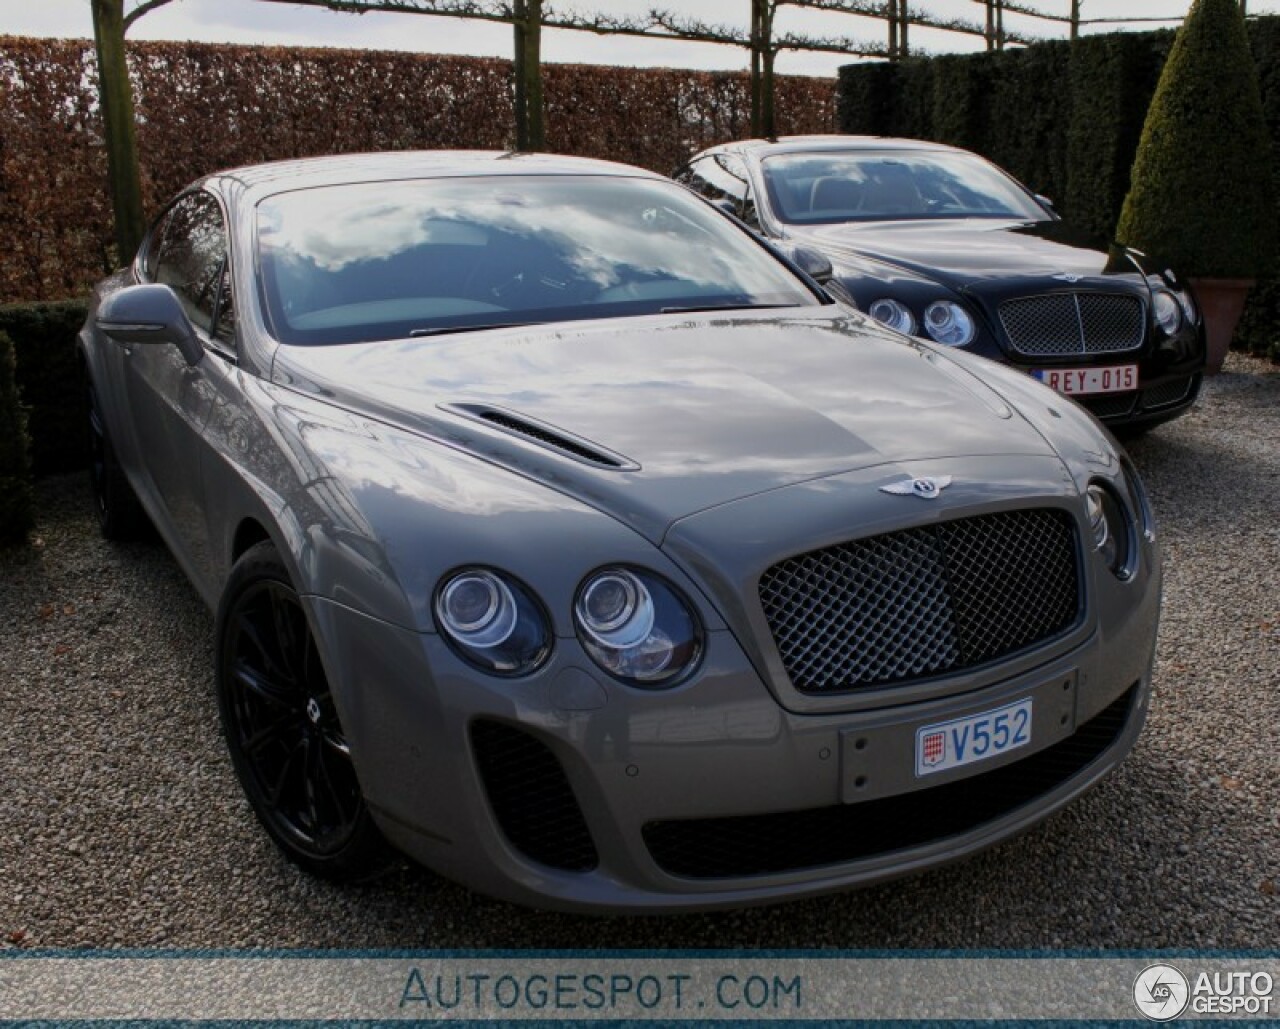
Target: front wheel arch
282,729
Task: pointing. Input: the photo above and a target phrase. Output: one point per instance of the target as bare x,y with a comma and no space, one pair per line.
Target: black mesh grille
1109,405
1167,393
1059,324
922,602
717,848
532,798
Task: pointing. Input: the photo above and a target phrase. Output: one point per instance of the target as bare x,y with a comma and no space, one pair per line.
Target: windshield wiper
693,309
445,330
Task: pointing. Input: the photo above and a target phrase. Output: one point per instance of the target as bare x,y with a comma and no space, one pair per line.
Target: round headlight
947,322
1168,312
1112,530
895,314
636,627
493,622
1188,305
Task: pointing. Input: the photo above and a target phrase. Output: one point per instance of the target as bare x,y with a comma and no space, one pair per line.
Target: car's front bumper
710,794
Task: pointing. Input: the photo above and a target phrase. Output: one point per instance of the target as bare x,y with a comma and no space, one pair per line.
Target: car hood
966,251
684,412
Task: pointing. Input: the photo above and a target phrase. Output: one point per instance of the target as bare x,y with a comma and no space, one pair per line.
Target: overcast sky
252,21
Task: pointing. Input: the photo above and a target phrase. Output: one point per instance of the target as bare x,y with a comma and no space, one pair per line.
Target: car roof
303,173
814,143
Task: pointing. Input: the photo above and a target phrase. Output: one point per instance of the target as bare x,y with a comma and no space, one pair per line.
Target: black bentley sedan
939,243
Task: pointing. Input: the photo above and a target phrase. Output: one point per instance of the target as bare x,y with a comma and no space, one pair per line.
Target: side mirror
1046,201
812,262
149,314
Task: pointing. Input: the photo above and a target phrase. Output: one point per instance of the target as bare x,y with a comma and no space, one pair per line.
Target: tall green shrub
1259,329
1202,197
44,346
15,468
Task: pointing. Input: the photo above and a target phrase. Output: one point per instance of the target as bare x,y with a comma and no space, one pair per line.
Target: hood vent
544,435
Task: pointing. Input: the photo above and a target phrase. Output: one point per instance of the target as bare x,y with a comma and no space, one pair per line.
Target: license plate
966,741
1114,379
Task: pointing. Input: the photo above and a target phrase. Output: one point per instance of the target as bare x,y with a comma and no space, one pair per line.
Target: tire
282,730
120,515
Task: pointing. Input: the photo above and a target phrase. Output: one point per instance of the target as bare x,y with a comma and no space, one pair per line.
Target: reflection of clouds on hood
597,227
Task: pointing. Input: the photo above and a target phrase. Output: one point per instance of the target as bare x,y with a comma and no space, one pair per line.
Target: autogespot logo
1161,992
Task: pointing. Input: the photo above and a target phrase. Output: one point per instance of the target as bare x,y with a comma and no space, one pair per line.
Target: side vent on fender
544,435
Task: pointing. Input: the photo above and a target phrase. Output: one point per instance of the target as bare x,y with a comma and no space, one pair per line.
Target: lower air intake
531,797
729,848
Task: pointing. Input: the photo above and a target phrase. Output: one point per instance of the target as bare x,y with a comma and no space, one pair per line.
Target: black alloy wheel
282,729
120,516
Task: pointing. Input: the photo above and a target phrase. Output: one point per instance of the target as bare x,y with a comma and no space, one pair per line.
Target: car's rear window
384,260
888,185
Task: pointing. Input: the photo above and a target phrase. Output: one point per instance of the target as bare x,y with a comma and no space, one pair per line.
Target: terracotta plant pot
1221,302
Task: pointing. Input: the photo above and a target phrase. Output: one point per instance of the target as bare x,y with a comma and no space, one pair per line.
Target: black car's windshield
884,185
385,260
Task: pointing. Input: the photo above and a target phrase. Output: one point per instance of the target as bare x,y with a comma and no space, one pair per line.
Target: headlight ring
1112,530
894,314
948,323
637,627
1188,305
493,622
1168,311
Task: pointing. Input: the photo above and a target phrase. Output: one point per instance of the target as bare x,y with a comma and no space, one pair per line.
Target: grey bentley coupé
566,537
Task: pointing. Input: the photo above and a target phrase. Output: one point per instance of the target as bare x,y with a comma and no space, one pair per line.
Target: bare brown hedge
202,107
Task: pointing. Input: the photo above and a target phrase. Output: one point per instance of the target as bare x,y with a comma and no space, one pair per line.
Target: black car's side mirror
812,262
149,314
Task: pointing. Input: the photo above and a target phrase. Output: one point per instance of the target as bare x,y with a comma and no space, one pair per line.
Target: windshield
385,260
884,185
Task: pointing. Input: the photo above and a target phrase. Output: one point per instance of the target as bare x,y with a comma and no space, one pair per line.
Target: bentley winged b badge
928,489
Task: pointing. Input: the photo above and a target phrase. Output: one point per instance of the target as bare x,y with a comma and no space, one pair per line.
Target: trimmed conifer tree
1202,198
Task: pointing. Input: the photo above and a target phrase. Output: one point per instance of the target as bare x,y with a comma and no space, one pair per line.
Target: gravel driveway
121,824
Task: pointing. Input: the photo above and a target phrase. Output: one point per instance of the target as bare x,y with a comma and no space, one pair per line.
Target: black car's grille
719,848
1167,393
532,798
923,601
1064,324
1109,405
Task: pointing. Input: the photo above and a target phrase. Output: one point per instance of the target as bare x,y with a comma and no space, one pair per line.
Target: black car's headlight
893,313
1112,528
1188,305
493,622
1168,311
947,322
637,627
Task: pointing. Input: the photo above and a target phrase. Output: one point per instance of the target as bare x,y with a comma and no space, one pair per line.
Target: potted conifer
1201,199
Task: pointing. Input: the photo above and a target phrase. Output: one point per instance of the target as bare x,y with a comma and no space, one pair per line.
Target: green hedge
15,478
44,337
1259,330
1064,118
1112,80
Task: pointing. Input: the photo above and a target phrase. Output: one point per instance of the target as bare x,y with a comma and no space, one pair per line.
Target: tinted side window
715,179
191,258
737,170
